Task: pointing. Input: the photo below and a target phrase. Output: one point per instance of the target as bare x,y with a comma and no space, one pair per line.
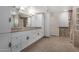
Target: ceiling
52,9
58,8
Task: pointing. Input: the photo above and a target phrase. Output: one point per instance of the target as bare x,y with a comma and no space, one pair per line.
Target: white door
54,25
4,19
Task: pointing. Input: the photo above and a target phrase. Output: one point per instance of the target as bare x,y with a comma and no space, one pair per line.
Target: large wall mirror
23,20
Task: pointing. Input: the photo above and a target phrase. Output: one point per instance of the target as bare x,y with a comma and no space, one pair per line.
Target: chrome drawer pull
10,44
27,38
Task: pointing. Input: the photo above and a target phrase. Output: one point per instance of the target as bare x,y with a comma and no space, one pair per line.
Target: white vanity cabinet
41,33
24,41
27,39
30,37
4,42
16,41
35,35
16,44
21,40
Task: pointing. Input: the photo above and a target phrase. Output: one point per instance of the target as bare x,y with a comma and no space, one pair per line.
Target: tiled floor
52,44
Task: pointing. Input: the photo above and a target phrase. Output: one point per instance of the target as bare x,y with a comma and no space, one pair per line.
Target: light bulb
31,11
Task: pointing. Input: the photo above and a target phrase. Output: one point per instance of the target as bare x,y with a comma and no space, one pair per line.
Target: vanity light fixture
65,10
22,8
13,13
31,11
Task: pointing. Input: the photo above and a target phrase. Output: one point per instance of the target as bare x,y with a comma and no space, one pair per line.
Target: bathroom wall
63,19
58,19
47,24
37,20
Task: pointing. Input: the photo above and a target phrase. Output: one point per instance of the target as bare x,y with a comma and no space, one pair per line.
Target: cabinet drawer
16,44
27,39
17,34
4,42
24,42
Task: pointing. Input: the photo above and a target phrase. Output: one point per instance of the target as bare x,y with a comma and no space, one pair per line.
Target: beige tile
52,44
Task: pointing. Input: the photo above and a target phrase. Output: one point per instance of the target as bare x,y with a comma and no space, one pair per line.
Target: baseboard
54,35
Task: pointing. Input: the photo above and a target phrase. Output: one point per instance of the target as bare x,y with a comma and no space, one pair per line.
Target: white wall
37,20
47,24
58,19
41,8
63,18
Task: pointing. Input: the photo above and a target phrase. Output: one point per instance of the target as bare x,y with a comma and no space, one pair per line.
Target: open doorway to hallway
66,25
61,21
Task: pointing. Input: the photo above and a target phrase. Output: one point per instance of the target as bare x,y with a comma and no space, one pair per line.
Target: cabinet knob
9,19
27,37
10,44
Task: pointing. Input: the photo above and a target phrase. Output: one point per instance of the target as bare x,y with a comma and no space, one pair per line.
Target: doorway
65,25
61,24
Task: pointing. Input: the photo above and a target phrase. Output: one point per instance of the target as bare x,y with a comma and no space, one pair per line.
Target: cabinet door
30,36
35,35
4,42
41,33
4,19
16,44
26,39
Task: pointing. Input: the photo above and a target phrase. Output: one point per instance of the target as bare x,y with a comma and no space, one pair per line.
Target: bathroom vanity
17,33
